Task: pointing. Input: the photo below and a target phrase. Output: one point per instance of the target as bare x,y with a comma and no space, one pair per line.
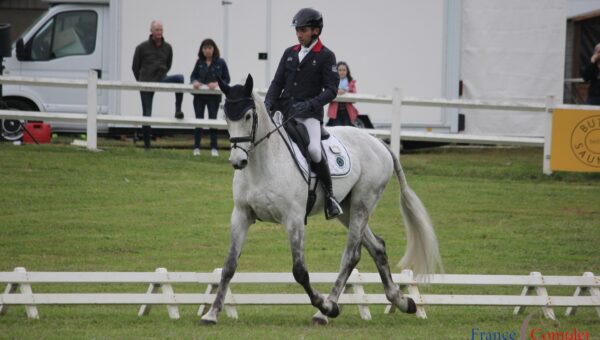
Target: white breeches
313,126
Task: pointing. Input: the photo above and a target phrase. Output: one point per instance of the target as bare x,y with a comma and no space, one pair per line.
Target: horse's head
240,113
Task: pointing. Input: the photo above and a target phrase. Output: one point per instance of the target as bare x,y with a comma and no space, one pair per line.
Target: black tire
359,124
11,129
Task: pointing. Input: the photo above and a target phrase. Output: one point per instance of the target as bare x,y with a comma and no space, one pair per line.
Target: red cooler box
40,131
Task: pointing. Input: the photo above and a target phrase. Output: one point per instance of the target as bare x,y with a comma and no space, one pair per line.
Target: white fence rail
395,133
161,291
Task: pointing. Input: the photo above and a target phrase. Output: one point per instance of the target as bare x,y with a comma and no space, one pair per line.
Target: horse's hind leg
356,222
296,236
376,247
240,222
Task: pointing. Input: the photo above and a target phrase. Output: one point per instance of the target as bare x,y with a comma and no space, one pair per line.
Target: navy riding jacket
315,80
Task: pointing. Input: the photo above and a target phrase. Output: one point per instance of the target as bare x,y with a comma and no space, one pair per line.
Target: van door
67,45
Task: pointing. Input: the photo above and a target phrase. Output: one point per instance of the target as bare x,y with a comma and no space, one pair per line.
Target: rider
306,80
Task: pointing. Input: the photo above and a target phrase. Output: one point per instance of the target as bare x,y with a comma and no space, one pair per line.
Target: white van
75,36
66,42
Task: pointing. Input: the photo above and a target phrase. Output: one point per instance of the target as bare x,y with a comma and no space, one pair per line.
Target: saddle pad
337,155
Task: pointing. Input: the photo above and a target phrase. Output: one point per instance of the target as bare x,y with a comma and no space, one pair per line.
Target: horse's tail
422,251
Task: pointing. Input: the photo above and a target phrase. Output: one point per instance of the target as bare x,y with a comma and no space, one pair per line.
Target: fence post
592,291
396,115
358,289
548,134
167,290
92,101
25,288
540,291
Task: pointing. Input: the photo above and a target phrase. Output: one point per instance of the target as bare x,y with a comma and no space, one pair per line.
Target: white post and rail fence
579,125
534,291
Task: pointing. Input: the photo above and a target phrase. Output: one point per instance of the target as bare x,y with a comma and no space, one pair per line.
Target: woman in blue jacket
209,67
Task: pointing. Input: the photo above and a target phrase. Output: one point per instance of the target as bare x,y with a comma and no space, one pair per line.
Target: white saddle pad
337,155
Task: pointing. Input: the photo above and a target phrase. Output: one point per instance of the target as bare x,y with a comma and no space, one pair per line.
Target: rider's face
304,34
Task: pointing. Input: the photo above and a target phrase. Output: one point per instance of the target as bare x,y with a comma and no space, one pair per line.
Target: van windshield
30,27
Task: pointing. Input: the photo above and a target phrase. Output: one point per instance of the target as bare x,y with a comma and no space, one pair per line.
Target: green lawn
124,209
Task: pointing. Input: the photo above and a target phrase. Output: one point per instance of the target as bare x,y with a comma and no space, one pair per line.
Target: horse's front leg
295,231
240,222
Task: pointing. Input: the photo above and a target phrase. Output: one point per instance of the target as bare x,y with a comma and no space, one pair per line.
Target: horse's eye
248,116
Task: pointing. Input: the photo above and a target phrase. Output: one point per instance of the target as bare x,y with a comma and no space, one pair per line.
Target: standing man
306,80
591,73
151,62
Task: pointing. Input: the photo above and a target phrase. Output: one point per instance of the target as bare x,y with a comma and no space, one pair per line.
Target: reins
274,130
251,138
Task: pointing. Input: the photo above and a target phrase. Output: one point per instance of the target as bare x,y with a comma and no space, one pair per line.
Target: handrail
396,100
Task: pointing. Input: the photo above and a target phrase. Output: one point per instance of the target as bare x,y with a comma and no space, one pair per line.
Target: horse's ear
249,85
224,87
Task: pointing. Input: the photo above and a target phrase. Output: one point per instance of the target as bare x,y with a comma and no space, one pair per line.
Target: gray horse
268,186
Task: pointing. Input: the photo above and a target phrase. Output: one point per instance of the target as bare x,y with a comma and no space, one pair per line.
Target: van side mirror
21,52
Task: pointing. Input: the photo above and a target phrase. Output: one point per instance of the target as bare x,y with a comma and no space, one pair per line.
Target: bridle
252,137
246,139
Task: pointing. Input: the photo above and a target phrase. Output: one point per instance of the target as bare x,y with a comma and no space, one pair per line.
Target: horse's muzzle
240,165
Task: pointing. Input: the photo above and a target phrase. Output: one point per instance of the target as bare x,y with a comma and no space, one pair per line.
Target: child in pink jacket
343,113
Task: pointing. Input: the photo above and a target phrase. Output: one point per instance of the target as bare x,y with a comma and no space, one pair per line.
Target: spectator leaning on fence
208,68
591,73
151,62
343,113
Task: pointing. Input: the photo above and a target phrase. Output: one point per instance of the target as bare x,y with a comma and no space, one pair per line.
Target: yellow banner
575,140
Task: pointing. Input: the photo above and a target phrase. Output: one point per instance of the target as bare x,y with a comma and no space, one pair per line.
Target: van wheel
359,124
11,129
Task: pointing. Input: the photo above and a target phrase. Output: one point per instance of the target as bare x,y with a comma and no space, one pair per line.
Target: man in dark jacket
592,75
305,81
151,62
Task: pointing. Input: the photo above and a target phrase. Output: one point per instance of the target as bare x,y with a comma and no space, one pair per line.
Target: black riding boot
332,207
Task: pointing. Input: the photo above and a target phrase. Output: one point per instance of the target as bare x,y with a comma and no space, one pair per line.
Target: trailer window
67,34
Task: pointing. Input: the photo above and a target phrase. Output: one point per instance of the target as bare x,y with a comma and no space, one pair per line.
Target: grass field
124,209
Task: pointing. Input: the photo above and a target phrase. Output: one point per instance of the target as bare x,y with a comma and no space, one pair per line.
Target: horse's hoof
412,306
207,322
318,321
335,310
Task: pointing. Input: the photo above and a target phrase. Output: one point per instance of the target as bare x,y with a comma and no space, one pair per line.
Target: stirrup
332,208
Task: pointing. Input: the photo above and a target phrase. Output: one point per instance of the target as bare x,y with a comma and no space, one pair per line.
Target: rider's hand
302,107
268,106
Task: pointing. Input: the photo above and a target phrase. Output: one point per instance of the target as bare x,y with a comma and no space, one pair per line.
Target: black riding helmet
308,17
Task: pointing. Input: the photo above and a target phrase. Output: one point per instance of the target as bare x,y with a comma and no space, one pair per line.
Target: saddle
297,141
299,135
